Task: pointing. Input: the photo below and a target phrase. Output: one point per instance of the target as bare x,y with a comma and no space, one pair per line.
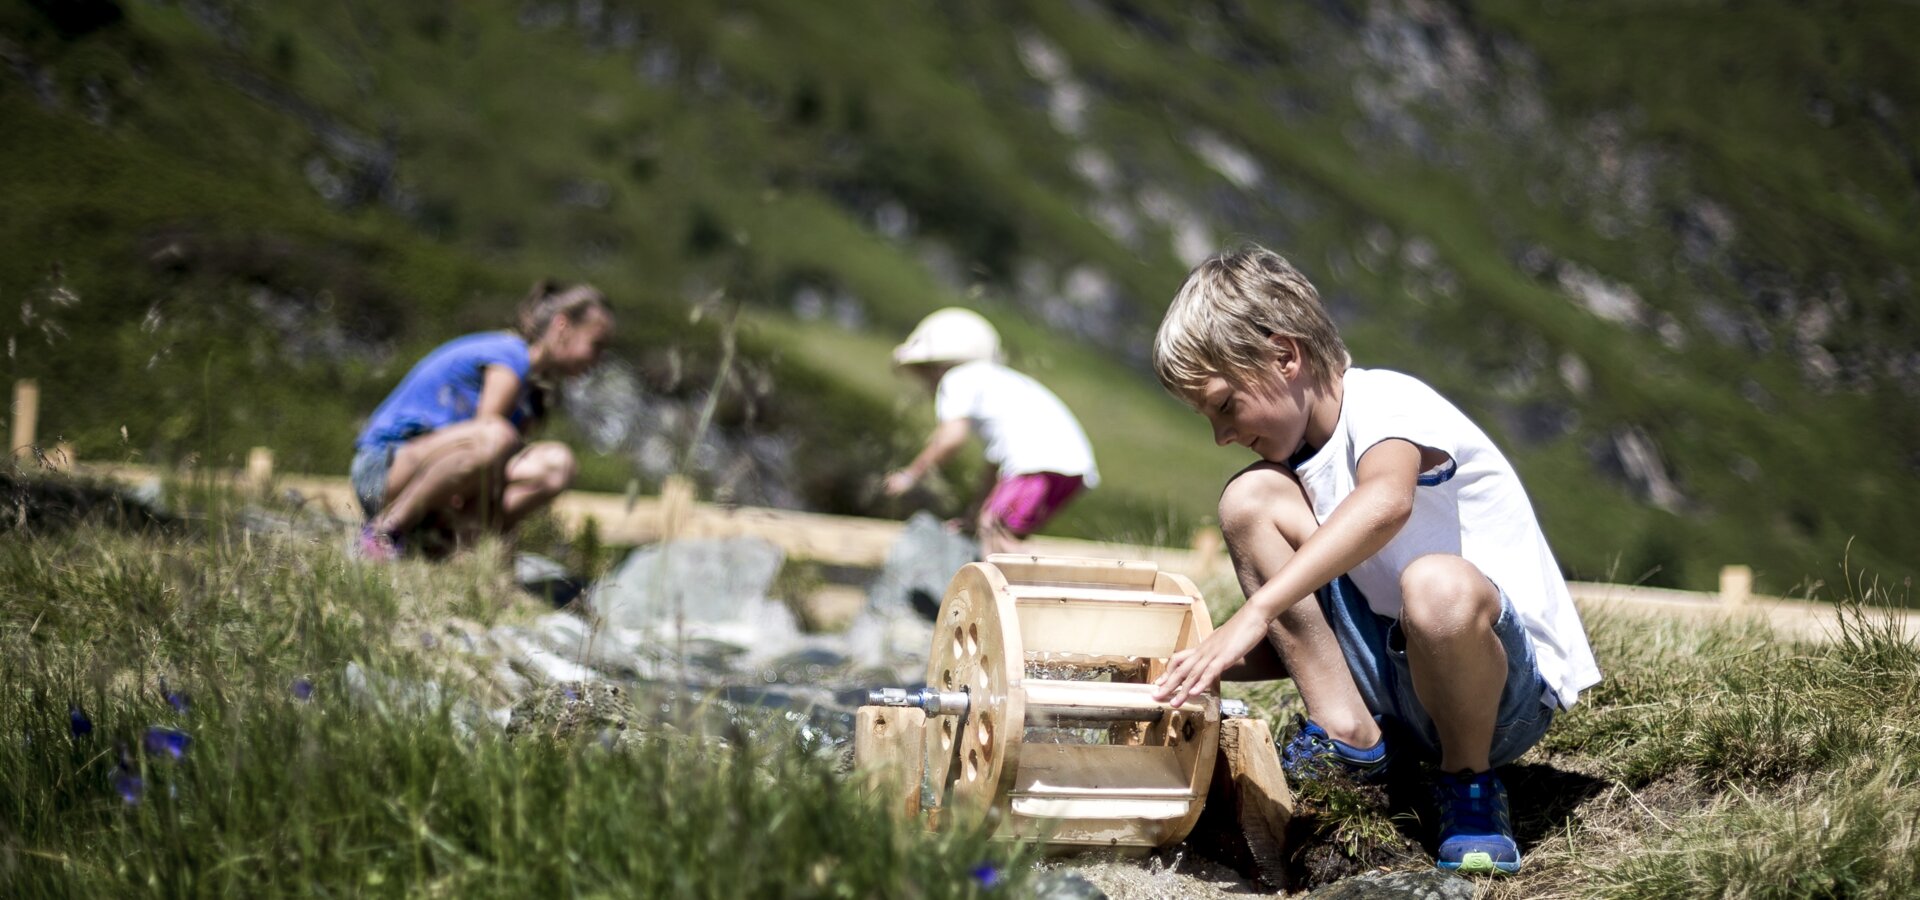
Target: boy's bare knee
1257,497
1443,593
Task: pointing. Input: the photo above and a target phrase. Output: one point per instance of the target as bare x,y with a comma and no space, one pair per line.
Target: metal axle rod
955,703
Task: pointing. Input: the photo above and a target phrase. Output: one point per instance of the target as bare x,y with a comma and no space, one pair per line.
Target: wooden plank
1092,569
1074,595
1249,805
863,543
1101,771
26,415
1111,629
888,753
260,468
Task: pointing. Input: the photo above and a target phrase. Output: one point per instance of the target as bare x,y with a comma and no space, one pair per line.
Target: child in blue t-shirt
450,440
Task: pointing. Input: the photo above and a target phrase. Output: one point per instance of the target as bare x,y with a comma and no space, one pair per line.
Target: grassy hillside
208,712
212,706
1672,282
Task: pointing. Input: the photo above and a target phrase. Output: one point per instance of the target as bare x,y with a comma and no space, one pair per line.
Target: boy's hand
899,481
1193,671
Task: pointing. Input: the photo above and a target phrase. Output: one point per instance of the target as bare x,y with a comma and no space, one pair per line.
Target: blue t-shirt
444,388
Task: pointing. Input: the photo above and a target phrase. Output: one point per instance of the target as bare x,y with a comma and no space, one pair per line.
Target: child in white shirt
1440,609
1038,456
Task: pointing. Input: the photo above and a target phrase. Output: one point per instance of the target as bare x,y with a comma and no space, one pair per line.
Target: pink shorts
1023,503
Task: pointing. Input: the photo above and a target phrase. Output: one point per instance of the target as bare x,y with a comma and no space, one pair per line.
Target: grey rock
544,577
711,655
149,493
390,696
893,641
919,565
531,658
704,580
530,568
607,649
1431,884
565,710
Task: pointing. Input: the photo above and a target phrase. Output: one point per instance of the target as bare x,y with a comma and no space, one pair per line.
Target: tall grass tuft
1845,834
224,753
1736,705
1807,751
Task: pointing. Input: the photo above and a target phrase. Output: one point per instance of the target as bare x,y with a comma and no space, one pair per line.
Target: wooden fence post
259,469
1207,545
1736,585
26,414
676,504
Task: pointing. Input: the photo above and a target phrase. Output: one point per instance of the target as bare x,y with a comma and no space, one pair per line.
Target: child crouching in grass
449,444
1038,455
1433,601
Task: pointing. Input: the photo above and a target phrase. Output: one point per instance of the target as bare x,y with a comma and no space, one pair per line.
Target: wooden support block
1249,805
259,469
1736,585
676,505
887,753
1209,551
26,415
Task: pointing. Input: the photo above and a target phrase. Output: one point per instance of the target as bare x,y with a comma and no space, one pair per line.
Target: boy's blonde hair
1222,321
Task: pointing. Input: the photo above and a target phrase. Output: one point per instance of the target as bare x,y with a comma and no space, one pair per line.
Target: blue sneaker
1311,749
1476,836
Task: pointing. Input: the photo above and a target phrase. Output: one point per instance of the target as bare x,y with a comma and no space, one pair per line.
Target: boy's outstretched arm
947,439
1381,501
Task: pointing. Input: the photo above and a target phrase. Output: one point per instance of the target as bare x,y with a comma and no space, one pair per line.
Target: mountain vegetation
1663,253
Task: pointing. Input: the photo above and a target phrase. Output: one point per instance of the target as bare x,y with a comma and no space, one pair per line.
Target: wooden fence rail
863,543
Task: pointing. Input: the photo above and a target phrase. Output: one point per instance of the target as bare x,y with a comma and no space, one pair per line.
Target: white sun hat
949,335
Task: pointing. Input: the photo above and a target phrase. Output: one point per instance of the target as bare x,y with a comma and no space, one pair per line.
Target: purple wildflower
302,689
170,741
178,701
128,785
986,875
78,723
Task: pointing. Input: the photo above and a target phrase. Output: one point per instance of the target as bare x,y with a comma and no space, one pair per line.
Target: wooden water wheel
1038,717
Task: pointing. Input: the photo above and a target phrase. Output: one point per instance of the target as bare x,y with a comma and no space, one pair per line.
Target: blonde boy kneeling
1435,604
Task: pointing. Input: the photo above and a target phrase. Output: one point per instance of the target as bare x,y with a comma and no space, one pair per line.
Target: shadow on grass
1540,799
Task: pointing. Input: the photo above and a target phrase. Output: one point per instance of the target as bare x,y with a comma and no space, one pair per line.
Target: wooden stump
1249,805
887,753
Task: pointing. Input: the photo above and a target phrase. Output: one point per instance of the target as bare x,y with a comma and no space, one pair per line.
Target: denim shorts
369,476
1376,655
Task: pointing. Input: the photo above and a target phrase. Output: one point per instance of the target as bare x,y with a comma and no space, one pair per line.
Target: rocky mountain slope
1663,254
